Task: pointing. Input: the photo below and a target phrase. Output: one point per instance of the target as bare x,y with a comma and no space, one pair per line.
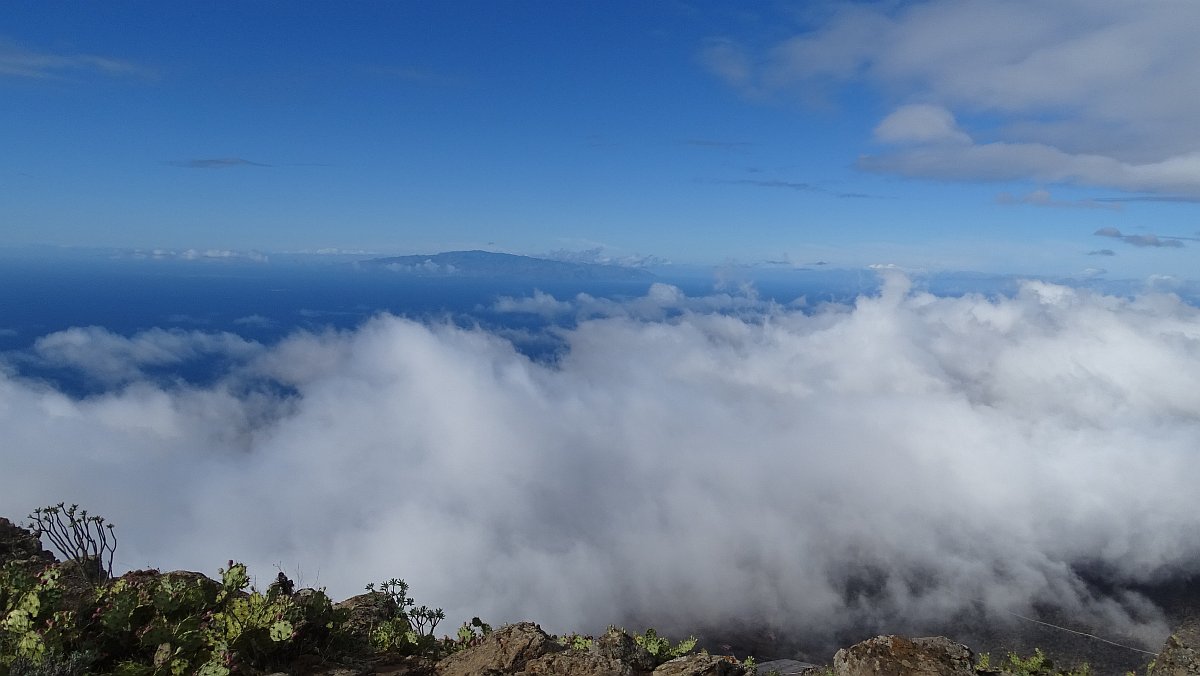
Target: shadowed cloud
1147,240
1043,198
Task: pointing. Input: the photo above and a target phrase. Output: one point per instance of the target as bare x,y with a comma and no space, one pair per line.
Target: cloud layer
1091,93
903,458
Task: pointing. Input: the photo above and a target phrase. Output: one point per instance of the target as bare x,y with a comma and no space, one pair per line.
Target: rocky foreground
27,632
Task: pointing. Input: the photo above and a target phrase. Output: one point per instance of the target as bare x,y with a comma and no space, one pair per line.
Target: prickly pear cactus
31,620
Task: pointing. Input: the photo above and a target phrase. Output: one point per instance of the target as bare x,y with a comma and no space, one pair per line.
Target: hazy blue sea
266,302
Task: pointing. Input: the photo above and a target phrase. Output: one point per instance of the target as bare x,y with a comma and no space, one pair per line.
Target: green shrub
575,641
660,647
265,629
75,664
411,631
149,624
469,634
1038,664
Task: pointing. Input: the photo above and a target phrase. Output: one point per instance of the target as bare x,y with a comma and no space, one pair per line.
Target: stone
900,656
23,547
1180,655
618,645
786,667
365,612
504,651
577,663
701,664
408,665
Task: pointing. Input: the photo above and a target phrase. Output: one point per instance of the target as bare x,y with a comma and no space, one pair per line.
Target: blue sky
977,135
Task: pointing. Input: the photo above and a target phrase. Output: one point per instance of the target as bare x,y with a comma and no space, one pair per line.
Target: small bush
1038,664
411,631
660,647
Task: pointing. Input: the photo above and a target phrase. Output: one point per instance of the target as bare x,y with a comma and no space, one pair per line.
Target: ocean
265,302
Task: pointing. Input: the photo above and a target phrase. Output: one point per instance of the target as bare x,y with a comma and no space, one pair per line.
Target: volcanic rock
505,651
1181,653
23,547
900,656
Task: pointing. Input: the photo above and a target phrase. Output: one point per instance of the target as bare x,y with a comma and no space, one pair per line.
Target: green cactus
32,622
150,624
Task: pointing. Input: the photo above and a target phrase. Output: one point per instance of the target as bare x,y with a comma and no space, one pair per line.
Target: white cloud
222,254
1096,93
920,123
602,255
17,61
1034,161
426,267
540,303
200,255
692,472
661,301
112,358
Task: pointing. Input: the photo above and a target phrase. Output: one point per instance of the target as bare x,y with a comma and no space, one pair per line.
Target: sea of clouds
689,463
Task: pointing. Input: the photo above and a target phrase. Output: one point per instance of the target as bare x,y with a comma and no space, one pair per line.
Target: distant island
492,264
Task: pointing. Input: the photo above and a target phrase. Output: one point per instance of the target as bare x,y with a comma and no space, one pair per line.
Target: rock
578,663
365,612
23,547
505,651
207,586
377,665
786,667
191,578
1181,653
409,665
299,669
701,664
899,656
618,645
